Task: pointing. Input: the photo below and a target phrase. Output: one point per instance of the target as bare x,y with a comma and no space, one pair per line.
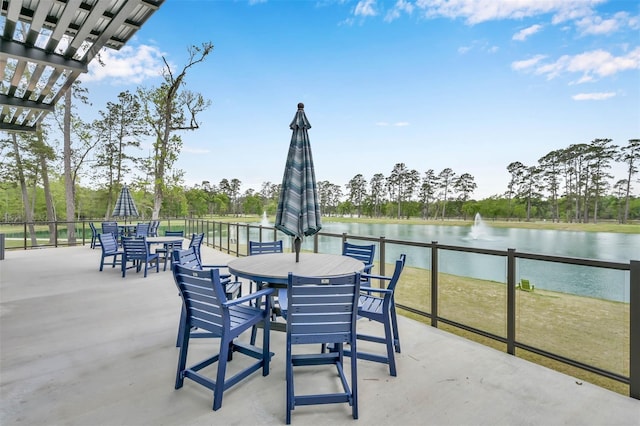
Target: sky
471,85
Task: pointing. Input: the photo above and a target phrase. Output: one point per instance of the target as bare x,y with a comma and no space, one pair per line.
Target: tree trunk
68,177
51,214
28,214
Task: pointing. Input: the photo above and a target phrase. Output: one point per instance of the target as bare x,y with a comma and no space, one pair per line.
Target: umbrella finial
300,105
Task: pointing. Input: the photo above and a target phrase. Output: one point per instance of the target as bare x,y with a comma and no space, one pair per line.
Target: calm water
581,280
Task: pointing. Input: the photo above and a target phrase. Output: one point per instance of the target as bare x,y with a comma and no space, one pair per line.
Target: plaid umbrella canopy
125,207
298,211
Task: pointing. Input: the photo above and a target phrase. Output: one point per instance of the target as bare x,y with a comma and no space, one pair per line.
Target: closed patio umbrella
298,211
125,206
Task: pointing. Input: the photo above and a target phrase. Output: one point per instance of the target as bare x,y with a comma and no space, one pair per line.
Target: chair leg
354,383
266,355
181,329
394,325
222,369
182,359
389,346
289,376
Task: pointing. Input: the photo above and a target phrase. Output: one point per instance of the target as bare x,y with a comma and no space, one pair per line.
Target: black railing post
634,329
316,242
511,301
383,257
434,284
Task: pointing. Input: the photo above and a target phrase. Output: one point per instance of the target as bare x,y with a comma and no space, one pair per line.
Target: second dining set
320,297
130,246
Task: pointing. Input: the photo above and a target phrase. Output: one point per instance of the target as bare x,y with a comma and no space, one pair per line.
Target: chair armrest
222,276
248,297
368,267
375,290
377,277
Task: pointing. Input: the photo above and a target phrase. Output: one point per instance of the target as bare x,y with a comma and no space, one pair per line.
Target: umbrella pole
296,245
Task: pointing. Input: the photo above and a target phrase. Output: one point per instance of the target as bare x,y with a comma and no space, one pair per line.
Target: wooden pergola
47,44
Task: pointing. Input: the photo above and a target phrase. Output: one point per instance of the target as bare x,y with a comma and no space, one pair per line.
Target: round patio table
274,268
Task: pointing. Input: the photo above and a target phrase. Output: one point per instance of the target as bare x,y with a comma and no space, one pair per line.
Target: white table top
165,240
274,268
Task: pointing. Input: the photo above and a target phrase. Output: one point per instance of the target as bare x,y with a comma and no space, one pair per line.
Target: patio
80,347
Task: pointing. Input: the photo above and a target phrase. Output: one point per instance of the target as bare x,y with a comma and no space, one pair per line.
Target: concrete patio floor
83,347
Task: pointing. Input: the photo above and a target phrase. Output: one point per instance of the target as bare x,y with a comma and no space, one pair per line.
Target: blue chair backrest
94,231
187,258
363,253
264,247
108,243
196,242
322,310
203,297
142,230
397,271
110,227
135,248
174,233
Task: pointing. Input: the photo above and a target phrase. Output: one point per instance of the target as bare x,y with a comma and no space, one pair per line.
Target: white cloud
401,124
365,8
401,6
527,63
523,34
480,45
591,65
127,65
382,123
593,96
595,25
477,11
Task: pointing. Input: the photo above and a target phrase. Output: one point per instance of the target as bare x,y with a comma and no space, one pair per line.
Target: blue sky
468,84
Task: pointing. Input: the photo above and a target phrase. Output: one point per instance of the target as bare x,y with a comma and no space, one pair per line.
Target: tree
551,174
516,169
445,180
356,191
376,185
118,129
167,109
630,155
464,185
427,191
600,155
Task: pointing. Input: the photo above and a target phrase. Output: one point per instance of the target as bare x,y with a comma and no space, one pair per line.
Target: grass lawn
593,331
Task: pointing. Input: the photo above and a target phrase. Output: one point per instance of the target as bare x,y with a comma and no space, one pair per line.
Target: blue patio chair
111,227
196,242
153,228
365,254
263,247
378,304
267,247
95,241
109,246
207,308
142,230
188,259
136,250
322,310
165,251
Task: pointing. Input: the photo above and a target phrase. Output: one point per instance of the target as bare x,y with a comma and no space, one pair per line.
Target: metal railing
233,238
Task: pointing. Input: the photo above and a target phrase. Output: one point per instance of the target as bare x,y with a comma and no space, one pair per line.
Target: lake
580,280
